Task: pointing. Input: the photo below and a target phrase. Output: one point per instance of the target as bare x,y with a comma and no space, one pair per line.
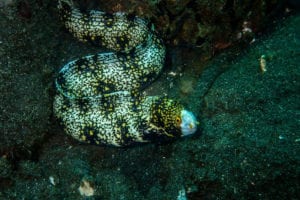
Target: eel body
99,98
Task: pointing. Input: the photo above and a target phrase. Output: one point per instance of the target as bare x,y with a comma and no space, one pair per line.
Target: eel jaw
188,123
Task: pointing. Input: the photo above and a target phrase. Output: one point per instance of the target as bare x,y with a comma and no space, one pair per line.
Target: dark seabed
246,95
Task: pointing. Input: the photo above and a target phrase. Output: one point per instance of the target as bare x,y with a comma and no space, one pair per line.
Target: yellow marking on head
83,137
106,88
91,132
169,135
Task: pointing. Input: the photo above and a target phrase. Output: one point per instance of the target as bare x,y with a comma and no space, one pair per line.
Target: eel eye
178,120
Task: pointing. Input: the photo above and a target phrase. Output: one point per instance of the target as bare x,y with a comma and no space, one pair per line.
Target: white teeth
188,123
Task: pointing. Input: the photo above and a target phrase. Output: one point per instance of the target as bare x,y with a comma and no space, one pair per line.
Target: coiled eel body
99,97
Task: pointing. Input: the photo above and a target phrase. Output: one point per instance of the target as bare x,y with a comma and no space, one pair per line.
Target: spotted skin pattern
99,98
117,72
114,31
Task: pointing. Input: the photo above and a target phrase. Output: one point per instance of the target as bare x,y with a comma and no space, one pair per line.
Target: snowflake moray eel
99,98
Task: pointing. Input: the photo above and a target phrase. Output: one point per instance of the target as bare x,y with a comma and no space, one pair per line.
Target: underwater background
235,64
